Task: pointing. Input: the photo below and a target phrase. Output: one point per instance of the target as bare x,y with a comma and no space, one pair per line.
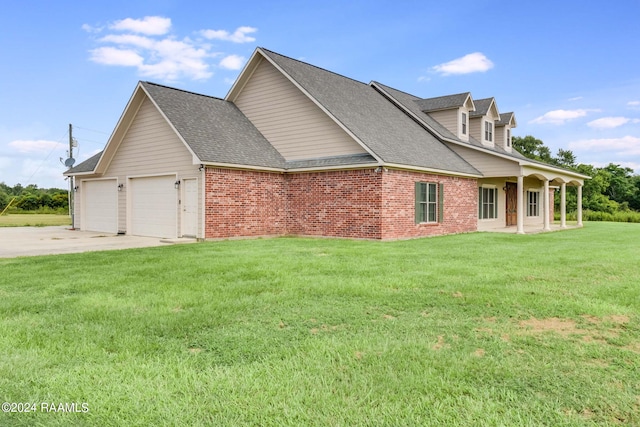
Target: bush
589,215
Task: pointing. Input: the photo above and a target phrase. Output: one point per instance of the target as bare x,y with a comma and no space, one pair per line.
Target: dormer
483,120
503,131
451,111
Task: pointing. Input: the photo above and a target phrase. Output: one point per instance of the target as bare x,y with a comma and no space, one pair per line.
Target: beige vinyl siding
488,164
295,126
476,128
501,137
448,119
149,147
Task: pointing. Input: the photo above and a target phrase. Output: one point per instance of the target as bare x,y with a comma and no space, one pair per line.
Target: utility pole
71,181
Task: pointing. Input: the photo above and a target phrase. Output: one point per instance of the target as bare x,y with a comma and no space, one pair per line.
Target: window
428,202
464,123
508,137
488,131
533,203
487,203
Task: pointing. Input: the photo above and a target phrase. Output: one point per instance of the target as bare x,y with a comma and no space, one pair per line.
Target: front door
190,207
512,204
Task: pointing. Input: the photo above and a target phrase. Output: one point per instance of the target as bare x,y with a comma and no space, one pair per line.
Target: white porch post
579,206
520,199
563,205
547,206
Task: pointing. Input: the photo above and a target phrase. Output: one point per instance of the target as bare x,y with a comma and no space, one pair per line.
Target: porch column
547,206
520,225
579,206
563,205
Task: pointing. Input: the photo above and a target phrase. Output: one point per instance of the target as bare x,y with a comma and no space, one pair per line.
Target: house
294,149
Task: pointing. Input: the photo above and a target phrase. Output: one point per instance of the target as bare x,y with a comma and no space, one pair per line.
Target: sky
569,70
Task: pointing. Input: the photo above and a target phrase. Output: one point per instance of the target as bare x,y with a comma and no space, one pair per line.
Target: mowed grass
33,220
477,329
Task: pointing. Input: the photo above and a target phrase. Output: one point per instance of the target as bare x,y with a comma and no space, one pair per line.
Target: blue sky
570,70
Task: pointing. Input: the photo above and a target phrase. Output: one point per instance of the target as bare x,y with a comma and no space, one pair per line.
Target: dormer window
508,137
488,131
464,123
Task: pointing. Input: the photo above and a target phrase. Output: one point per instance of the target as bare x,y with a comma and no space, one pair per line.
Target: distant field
33,220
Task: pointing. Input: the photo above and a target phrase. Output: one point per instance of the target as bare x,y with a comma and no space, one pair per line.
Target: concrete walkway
30,241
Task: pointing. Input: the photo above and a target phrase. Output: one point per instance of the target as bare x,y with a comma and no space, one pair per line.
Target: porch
533,228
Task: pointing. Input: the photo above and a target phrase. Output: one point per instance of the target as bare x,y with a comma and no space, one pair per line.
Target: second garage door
154,206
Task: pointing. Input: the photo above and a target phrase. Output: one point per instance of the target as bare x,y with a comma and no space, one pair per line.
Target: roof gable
485,107
385,131
446,102
215,130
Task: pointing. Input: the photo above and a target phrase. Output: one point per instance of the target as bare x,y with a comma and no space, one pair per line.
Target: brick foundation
354,204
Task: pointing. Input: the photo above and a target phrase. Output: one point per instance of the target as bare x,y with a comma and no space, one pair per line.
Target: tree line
612,189
32,198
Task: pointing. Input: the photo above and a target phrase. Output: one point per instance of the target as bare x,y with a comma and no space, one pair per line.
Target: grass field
477,329
33,220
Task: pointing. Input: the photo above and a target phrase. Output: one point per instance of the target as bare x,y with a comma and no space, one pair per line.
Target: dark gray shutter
441,203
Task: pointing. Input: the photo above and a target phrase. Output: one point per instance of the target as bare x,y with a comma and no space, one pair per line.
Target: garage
154,206
100,202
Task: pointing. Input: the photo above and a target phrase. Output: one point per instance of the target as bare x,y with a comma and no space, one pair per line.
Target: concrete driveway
30,241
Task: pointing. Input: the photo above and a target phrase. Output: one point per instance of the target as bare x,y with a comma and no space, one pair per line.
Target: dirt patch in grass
596,330
564,327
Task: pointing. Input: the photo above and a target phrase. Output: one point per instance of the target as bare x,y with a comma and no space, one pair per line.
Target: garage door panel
100,205
154,206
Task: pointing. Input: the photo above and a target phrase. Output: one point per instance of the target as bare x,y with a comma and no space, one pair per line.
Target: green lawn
476,330
33,220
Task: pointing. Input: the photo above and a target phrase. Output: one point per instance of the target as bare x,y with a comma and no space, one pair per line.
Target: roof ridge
393,88
182,90
314,66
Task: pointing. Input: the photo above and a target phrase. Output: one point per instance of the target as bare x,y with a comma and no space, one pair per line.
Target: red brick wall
337,204
244,203
355,204
398,208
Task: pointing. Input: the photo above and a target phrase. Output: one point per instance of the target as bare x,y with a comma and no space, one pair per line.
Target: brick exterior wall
354,204
460,213
244,203
336,204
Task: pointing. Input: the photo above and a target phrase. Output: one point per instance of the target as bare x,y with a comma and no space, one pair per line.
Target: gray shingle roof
407,101
215,129
385,130
482,107
443,102
87,166
505,119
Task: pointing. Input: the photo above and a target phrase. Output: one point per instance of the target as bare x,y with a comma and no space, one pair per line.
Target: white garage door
154,206
100,206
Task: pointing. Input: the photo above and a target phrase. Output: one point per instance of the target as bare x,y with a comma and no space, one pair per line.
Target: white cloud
115,56
611,122
147,45
238,36
633,105
628,145
472,63
558,117
39,146
576,98
150,25
232,62
129,39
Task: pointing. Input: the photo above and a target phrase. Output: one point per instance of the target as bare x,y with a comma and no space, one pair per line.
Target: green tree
532,148
621,187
